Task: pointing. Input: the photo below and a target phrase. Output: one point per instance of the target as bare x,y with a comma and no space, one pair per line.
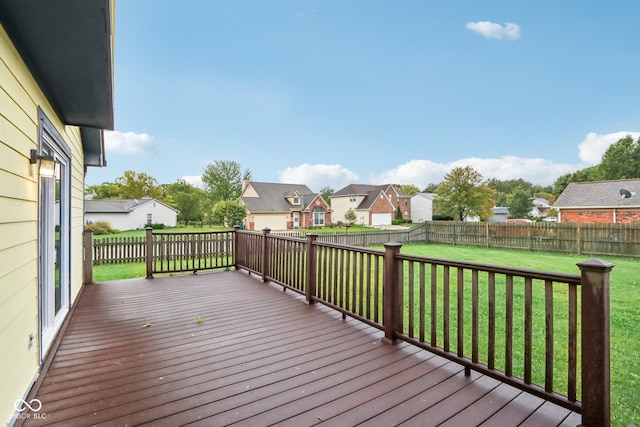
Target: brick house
373,204
600,201
283,206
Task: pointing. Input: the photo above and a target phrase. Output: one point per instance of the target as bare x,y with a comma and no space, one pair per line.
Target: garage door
381,219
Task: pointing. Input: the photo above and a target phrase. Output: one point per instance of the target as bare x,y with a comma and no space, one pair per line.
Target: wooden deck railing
546,333
542,332
181,252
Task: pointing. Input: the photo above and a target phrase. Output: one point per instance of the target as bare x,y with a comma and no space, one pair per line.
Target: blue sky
333,92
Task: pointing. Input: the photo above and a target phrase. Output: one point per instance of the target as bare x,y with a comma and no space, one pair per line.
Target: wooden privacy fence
573,238
542,332
118,250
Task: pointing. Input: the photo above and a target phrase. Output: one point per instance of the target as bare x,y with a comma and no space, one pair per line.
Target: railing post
149,252
310,279
87,265
265,254
236,246
596,386
392,293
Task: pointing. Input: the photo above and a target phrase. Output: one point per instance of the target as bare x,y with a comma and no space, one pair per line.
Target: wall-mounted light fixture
46,164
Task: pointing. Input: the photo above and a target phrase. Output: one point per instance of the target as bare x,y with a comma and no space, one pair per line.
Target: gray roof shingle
599,194
272,197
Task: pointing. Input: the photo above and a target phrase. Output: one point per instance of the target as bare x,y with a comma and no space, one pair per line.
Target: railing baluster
548,319
460,313
528,328
474,316
445,307
508,344
423,292
434,305
572,343
411,284
491,341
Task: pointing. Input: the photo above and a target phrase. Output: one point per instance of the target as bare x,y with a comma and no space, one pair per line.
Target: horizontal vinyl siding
20,98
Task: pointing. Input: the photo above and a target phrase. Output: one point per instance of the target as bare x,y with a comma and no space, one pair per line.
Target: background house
500,214
283,206
540,207
422,207
56,97
373,204
599,201
130,214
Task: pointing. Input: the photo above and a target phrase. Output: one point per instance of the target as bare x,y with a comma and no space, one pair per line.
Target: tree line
463,192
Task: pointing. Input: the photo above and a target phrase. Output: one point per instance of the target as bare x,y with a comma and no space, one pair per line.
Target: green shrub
155,225
101,227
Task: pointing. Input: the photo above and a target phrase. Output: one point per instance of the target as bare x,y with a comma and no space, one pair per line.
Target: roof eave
68,47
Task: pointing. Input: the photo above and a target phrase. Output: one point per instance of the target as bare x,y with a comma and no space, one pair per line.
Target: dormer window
296,200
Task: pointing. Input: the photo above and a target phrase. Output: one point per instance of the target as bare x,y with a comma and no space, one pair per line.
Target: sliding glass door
54,267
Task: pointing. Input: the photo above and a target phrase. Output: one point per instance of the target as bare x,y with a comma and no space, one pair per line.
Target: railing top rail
283,237
515,271
161,233
349,247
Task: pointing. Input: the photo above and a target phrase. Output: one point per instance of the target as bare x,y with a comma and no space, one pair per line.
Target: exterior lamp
46,164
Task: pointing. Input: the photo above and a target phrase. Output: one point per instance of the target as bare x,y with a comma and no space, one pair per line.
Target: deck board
134,354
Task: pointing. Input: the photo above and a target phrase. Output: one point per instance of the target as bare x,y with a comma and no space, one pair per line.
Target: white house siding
340,206
20,97
422,207
137,218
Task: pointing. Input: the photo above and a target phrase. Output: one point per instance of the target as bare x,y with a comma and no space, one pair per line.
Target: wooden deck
133,354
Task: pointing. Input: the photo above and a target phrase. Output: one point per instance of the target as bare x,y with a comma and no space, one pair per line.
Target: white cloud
129,143
196,181
424,172
595,145
318,176
491,30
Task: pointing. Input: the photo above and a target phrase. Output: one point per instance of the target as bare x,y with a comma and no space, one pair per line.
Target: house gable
281,206
361,197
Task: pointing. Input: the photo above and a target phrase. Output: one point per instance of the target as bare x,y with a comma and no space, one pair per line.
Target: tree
223,180
131,185
106,190
398,213
228,212
135,185
325,192
188,199
408,189
519,203
431,188
506,187
462,194
621,160
350,216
